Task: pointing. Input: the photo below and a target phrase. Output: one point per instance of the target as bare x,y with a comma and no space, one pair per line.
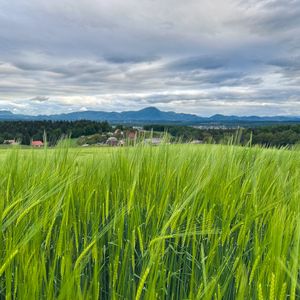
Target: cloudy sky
196,56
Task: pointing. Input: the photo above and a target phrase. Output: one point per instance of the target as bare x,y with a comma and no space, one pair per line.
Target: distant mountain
5,113
154,114
146,115
222,118
149,114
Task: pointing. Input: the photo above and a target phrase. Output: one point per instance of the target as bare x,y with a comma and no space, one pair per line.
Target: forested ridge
25,131
271,135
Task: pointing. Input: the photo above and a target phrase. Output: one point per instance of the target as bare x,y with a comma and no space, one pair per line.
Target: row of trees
275,135
25,131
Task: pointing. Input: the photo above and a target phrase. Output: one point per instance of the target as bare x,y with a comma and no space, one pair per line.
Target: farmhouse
11,142
121,143
118,132
112,141
37,144
131,134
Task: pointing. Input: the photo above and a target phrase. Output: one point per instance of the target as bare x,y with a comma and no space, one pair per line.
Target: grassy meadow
167,222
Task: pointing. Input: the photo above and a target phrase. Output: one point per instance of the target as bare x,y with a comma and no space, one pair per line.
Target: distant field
167,222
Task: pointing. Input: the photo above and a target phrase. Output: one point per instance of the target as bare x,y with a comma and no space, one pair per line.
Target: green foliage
167,222
92,139
27,130
276,135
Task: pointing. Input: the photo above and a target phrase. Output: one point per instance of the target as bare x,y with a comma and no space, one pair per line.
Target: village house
121,143
118,133
112,141
131,134
11,142
37,144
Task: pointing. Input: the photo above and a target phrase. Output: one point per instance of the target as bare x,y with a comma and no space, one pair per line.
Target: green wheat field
167,222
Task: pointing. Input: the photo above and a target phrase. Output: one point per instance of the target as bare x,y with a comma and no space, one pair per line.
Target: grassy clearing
168,222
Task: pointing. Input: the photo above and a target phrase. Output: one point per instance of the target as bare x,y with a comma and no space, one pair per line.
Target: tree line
271,135
25,131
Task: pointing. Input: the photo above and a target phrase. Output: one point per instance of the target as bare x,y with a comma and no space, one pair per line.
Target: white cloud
195,56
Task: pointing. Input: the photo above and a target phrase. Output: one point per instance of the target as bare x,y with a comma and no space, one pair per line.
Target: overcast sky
195,56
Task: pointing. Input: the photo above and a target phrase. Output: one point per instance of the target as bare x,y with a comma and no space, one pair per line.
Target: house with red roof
37,144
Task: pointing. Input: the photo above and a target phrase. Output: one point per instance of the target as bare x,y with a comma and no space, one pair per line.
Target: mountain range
146,115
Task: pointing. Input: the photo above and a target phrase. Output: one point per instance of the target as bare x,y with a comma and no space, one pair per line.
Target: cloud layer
204,57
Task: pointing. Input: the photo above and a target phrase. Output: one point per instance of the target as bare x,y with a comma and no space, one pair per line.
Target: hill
146,115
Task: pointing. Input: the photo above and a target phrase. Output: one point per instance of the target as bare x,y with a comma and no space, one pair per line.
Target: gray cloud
195,56
194,63
40,99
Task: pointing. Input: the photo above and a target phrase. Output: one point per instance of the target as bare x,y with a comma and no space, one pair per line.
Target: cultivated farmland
167,222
